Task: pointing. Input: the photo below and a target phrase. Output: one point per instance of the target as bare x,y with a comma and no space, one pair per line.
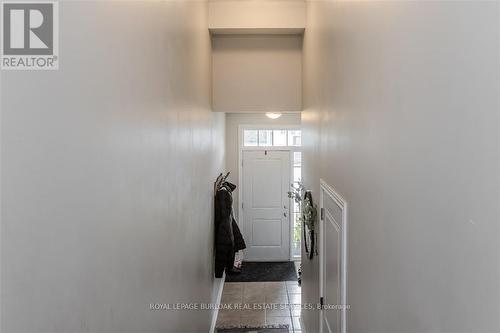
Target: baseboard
217,302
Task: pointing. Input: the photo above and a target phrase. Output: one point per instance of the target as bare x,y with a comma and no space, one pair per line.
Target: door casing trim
241,148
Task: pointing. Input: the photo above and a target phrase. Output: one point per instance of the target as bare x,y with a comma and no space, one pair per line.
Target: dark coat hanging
228,238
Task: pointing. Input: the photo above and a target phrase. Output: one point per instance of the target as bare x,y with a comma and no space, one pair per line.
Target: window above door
271,138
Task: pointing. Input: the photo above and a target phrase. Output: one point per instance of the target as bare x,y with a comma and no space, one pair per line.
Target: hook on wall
220,180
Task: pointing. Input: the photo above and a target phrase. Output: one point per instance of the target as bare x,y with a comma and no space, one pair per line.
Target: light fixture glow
273,115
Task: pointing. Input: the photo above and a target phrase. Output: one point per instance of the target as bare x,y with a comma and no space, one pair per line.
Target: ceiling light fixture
273,115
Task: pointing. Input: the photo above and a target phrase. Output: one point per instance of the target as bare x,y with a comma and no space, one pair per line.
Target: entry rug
281,329
253,271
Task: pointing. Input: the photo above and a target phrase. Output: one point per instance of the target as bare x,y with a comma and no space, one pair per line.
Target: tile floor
260,303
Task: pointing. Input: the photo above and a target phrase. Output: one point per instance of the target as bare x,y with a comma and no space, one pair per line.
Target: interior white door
265,206
333,260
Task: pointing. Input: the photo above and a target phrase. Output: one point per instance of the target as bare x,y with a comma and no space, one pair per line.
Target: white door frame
326,189
242,148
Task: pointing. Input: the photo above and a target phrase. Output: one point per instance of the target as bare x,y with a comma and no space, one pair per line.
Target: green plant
308,212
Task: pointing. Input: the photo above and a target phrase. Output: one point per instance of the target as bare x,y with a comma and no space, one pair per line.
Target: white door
333,260
265,206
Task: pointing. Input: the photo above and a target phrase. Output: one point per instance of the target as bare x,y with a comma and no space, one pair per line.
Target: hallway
359,138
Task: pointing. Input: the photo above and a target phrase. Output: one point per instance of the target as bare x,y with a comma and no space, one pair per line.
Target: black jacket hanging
228,238
239,242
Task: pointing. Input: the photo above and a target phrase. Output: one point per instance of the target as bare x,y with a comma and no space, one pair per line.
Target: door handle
284,214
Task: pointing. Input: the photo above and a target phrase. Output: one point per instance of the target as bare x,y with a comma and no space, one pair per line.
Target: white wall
257,73
257,15
402,118
107,167
233,121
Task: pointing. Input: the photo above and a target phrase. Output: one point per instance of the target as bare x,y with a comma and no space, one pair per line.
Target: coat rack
220,180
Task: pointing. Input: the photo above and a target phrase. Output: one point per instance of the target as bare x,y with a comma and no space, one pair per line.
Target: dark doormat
252,271
253,330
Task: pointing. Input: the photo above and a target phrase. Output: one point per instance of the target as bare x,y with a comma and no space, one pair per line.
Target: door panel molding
335,214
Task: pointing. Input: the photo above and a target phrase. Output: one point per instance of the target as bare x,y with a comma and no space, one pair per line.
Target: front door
265,206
